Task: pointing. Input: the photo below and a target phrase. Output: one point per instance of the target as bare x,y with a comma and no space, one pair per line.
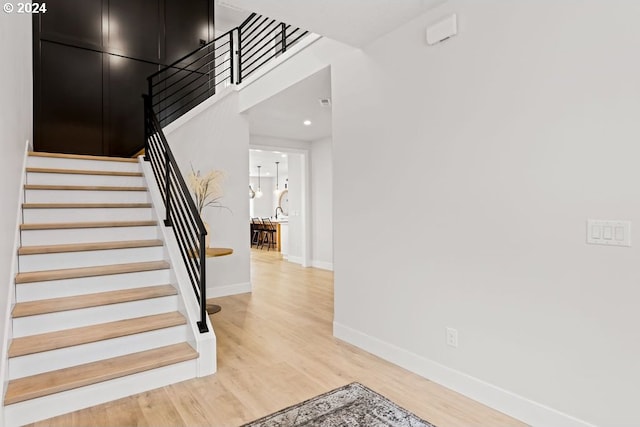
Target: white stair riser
43,215
37,363
83,397
90,285
63,260
31,325
87,235
82,196
81,179
101,165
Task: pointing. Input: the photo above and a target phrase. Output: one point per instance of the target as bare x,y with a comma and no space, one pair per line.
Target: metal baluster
147,126
167,221
231,55
283,31
202,324
239,56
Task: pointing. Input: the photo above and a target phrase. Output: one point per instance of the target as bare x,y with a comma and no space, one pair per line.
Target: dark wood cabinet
91,60
124,113
70,100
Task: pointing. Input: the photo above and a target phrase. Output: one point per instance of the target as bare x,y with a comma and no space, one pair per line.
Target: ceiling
227,16
268,159
282,115
354,22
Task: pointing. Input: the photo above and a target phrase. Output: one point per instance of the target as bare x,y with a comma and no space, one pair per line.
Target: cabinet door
125,114
70,113
134,29
76,22
187,22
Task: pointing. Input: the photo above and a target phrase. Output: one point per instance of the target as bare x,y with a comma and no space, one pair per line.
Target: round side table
212,253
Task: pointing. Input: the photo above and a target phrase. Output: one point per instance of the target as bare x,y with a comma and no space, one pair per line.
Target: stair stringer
204,343
11,296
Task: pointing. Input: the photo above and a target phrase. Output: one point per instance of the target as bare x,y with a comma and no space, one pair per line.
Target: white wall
314,54
263,206
321,204
218,138
16,118
507,138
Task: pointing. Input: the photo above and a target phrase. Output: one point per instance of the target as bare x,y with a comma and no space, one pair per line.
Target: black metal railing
180,210
230,58
260,39
187,82
179,87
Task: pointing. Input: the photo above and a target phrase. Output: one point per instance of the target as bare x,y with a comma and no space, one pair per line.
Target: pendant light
277,190
259,192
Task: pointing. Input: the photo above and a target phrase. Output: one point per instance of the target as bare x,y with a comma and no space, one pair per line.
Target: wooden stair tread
100,224
83,205
53,305
47,383
82,157
82,187
81,247
102,270
83,172
88,334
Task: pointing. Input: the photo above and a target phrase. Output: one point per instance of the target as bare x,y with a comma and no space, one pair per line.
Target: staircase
97,316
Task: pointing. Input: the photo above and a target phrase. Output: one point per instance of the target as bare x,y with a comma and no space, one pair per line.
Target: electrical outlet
452,337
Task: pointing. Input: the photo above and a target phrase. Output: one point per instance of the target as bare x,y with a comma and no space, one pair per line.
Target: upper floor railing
228,59
260,40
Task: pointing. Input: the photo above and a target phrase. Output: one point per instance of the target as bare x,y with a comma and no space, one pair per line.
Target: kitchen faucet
280,211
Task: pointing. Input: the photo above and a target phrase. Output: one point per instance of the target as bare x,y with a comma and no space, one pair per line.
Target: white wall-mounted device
610,233
442,30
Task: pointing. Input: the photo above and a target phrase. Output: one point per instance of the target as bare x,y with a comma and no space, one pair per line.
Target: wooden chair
268,233
256,232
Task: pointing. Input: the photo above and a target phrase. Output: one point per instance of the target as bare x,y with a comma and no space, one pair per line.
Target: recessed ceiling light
307,123
284,156
277,152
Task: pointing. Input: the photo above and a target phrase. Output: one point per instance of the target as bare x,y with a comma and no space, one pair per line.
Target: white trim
226,290
306,209
305,259
528,411
11,295
324,265
295,259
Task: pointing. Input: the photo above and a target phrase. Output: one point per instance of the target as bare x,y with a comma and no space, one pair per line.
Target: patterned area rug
353,405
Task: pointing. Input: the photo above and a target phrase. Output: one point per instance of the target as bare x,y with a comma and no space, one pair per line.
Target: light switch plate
608,232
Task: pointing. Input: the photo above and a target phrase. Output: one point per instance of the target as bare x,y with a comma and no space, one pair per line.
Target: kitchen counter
282,234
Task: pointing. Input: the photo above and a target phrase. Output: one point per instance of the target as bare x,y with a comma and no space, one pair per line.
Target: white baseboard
528,411
295,259
223,291
322,264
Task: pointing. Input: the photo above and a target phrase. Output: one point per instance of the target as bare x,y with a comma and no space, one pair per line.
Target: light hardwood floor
275,349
